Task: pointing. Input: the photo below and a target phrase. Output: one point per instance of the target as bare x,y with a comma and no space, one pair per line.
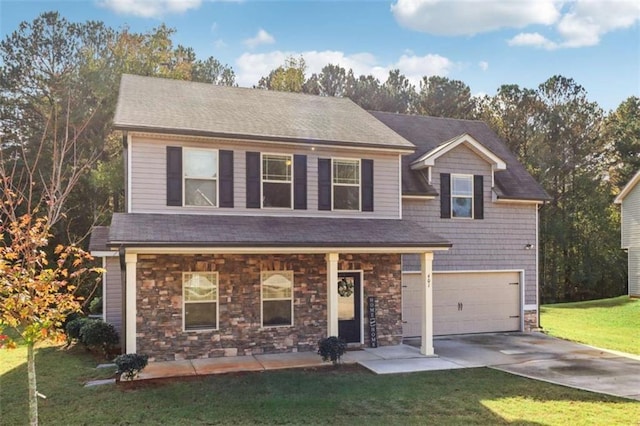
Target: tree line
58,88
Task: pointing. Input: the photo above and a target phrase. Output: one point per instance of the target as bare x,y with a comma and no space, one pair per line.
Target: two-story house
629,199
261,221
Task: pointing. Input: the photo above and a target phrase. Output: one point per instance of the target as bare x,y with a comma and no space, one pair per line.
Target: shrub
130,365
95,307
72,329
96,333
331,348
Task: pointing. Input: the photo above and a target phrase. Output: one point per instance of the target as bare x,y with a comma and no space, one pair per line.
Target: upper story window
462,196
346,184
200,298
200,168
277,187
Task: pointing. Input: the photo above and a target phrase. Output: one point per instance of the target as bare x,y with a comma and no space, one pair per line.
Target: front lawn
325,396
607,323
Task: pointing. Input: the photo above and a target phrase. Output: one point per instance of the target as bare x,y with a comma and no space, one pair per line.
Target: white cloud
575,23
251,67
262,37
532,40
588,20
447,17
149,8
219,44
484,65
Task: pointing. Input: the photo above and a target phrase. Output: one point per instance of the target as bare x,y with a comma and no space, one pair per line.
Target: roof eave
193,132
627,188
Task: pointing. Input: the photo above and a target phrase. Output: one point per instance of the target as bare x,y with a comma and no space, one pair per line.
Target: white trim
297,145
537,261
497,200
399,186
475,271
429,158
291,298
262,181
521,277
217,301
529,308
418,197
100,253
282,250
131,260
361,273
272,213
104,289
359,185
627,188
184,177
129,177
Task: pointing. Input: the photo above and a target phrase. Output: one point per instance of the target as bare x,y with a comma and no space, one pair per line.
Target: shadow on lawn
288,396
599,303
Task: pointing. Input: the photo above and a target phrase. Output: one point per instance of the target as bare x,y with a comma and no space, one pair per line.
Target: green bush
332,348
97,334
72,329
95,307
130,364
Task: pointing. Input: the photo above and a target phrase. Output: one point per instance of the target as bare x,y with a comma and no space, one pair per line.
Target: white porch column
332,294
131,260
426,260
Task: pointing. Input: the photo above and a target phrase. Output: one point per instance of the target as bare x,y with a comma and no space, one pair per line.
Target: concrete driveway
540,357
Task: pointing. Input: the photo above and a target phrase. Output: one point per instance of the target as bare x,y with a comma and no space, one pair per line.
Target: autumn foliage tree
36,289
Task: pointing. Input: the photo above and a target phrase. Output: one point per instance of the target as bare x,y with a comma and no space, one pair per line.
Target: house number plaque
373,332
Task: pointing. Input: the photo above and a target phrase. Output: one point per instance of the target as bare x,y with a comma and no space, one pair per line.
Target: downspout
123,298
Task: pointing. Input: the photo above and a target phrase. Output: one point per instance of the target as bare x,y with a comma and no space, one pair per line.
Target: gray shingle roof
99,239
182,230
184,107
429,132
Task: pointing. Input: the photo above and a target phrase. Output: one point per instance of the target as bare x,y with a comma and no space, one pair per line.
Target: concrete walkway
389,359
532,355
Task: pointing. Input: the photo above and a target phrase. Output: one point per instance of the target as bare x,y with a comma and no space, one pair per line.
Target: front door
349,308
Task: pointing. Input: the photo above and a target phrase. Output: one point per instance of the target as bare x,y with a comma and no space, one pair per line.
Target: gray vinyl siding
113,299
634,271
148,174
496,242
631,219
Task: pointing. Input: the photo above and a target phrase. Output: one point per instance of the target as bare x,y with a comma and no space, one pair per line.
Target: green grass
607,323
326,396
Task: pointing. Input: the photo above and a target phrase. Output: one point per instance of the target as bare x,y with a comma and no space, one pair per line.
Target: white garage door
478,302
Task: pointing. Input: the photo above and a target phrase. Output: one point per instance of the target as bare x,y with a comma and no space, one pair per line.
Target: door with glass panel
349,307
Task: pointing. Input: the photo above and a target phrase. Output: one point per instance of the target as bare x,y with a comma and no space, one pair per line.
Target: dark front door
349,306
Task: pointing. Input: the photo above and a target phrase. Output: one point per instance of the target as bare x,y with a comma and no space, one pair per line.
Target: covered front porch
351,282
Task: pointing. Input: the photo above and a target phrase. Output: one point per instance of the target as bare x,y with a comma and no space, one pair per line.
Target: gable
428,133
429,158
629,187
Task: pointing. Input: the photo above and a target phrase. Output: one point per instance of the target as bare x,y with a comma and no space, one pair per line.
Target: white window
346,184
200,177
277,189
277,298
462,196
200,300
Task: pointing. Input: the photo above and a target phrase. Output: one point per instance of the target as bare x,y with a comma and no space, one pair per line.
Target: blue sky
484,43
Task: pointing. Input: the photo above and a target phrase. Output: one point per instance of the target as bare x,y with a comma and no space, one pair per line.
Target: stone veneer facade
159,303
531,321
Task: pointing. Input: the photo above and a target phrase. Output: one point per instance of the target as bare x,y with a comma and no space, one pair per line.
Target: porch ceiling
260,232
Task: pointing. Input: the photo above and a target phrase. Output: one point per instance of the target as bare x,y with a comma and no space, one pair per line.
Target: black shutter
445,195
226,178
367,185
300,182
174,176
253,180
324,184
478,197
